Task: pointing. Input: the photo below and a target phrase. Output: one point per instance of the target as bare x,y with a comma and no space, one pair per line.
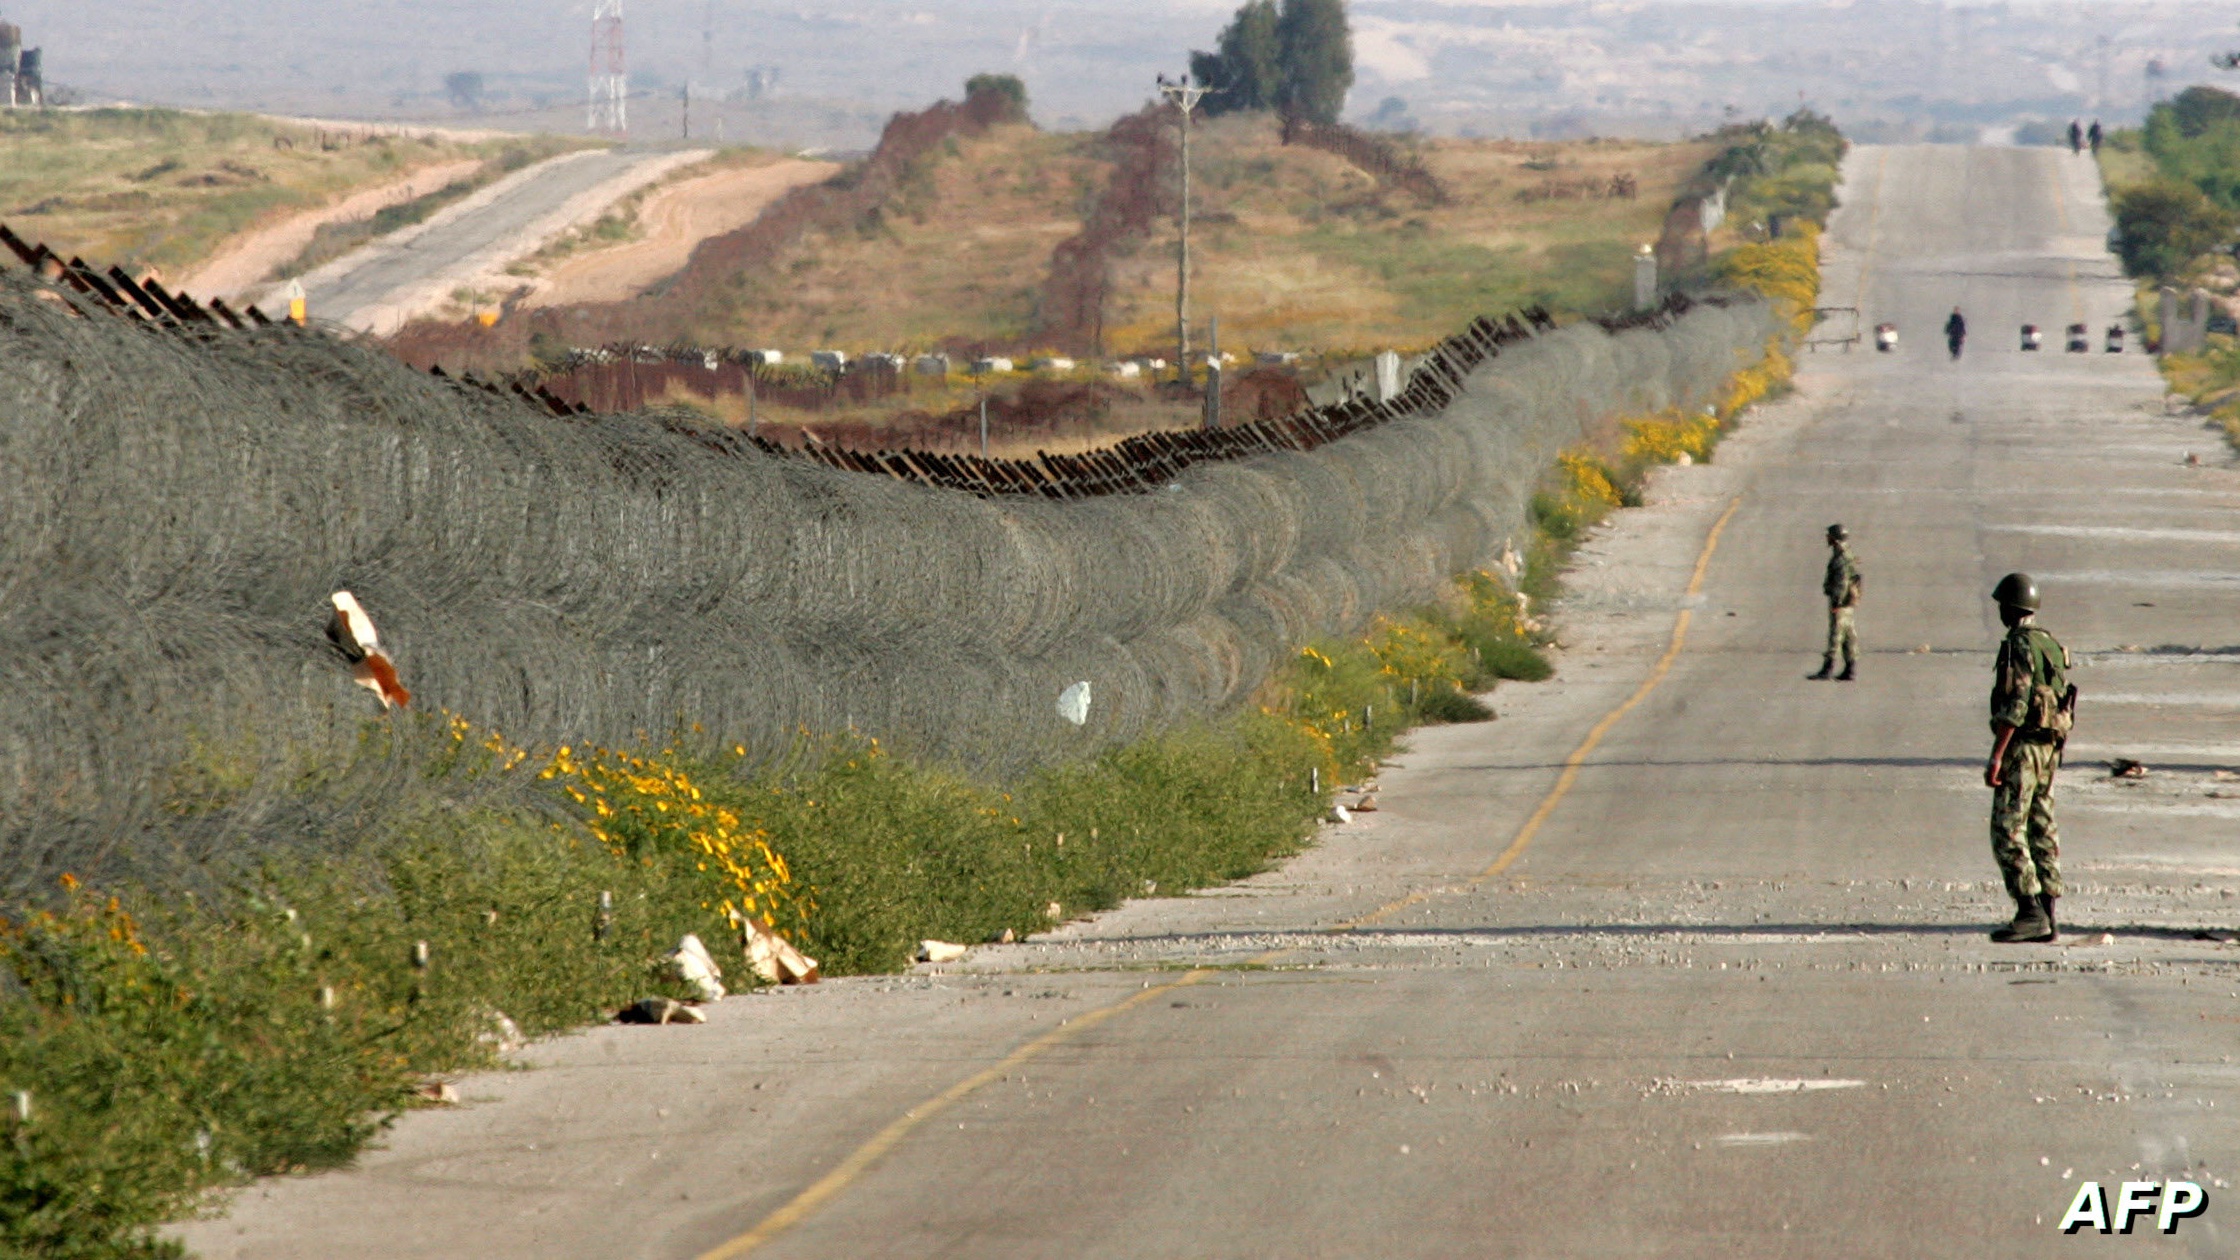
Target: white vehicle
2031,337
1886,337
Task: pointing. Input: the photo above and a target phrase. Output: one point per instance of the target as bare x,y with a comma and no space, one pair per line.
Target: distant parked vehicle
2031,337
2115,335
1886,337
2080,339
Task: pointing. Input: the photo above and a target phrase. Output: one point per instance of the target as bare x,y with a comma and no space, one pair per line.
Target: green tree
1246,70
1008,86
2199,108
1295,57
2166,223
1317,59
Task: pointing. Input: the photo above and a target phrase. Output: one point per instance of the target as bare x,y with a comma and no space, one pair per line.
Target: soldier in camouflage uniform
1841,584
2032,706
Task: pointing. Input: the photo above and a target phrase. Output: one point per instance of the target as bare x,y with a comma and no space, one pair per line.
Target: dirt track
675,220
245,263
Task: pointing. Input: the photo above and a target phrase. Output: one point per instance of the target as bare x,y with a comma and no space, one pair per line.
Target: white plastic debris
940,951
352,633
691,963
1073,703
1054,912
440,1092
500,1033
771,956
1340,814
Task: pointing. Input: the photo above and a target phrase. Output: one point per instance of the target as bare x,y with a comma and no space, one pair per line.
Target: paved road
411,272
1730,998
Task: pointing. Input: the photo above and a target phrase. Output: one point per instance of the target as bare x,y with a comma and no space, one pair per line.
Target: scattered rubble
691,963
941,951
771,956
659,1010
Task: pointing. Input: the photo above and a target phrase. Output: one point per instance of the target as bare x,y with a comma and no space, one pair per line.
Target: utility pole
685,94
1185,97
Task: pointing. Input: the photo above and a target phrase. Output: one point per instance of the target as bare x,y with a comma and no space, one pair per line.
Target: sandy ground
245,263
674,221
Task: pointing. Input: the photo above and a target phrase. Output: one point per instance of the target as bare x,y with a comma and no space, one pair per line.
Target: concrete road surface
414,271
1709,979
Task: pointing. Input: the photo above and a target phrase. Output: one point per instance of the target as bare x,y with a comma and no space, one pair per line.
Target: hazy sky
1493,64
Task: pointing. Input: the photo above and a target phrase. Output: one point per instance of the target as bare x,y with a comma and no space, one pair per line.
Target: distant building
20,81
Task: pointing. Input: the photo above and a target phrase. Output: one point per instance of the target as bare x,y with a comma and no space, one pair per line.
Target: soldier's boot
1850,671
2030,924
2045,903
1827,670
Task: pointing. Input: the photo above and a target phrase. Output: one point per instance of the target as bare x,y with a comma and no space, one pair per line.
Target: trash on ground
1339,814
501,1033
352,633
439,1091
659,1010
2126,768
1005,937
1073,703
771,956
941,951
691,963
1054,912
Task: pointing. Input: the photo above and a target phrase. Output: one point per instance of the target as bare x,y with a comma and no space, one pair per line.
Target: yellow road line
1874,234
1579,755
802,1205
805,1204
2061,212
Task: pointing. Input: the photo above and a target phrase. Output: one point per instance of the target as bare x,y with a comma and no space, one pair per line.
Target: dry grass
960,258
1301,251
164,189
1296,248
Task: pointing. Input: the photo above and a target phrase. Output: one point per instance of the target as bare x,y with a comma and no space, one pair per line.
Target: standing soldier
1841,585
2032,708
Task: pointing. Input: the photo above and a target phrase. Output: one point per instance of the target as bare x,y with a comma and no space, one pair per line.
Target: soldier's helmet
1837,533
2016,590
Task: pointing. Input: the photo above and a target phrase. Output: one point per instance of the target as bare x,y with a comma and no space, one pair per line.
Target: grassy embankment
169,1046
2174,186
165,189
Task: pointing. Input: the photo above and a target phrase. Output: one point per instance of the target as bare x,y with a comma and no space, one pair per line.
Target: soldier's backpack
2053,698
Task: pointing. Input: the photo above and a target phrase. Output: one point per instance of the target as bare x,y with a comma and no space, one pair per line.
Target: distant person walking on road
1841,584
2032,708
2092,137
1955,332
2076,137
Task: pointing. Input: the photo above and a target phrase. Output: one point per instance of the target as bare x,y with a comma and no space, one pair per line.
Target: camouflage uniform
2024,839
1841,586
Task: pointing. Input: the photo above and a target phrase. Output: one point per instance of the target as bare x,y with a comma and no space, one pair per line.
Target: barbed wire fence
179,496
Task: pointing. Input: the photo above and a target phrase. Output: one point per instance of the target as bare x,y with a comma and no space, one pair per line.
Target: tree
1008,86
1317,60
1294,57
2164,224
2199,108
464,87
1246,72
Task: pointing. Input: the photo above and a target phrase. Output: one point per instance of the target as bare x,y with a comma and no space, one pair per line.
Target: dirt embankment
249,259
694,297
1144,150
673,221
